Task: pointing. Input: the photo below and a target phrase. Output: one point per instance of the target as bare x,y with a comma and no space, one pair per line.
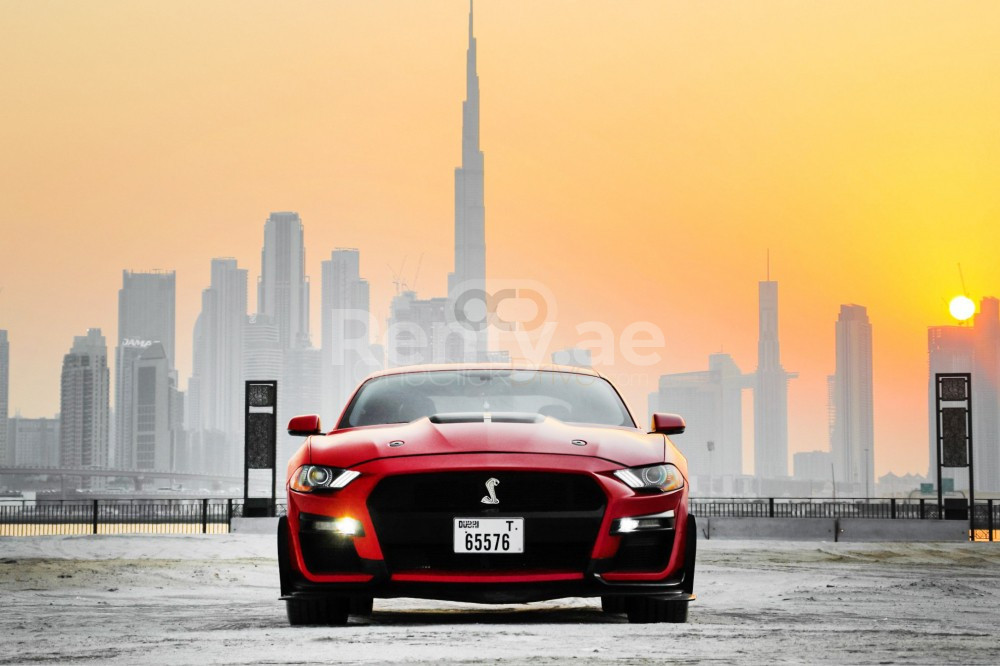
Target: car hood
428,436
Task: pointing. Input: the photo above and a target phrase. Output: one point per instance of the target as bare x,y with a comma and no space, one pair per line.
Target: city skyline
569,169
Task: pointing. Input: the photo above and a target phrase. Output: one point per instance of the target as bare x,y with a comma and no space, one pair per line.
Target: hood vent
486,417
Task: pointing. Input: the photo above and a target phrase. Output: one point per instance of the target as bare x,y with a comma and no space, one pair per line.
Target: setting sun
962,308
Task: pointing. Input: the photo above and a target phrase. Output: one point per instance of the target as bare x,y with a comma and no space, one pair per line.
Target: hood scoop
486,417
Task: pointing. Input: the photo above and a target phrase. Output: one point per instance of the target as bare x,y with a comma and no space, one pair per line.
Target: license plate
489,535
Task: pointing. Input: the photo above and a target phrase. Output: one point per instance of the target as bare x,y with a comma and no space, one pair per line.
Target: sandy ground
213,600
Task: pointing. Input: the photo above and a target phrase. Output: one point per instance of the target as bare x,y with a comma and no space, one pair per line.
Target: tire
284,568
690,553
613,605
361,606
331,611
645,610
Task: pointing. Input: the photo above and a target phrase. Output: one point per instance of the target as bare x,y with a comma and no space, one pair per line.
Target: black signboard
953,400
260,442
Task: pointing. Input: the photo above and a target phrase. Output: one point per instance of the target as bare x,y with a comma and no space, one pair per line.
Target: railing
985,523
120,516
214,516
804,507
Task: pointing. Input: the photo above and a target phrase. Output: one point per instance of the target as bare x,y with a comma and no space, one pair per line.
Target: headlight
658,477
312,477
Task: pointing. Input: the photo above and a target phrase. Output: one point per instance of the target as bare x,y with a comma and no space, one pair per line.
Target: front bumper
610,565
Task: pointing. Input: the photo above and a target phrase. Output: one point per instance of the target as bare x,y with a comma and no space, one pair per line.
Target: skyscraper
470,216
216,388
262,355
346,336
6,454
770,398
419,332
300,391
283,288
467,283
853,431
83,412
151,416
974,349
452,329
146,305
265,360
986,395
711,403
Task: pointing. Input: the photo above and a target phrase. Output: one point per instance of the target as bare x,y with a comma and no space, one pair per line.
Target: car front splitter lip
500,592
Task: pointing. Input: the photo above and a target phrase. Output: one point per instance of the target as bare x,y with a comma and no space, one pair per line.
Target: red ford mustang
487,484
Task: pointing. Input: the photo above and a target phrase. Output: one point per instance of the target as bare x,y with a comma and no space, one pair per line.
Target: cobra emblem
492,497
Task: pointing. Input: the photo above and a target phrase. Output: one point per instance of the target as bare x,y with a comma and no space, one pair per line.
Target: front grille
648,551
414,519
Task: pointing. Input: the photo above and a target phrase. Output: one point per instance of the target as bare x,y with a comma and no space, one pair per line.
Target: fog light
345,526
652,522
348,527
627,525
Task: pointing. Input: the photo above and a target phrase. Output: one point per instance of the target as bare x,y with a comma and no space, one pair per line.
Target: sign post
953,398
260,446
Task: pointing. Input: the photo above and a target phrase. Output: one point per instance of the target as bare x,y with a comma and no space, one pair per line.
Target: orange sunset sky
641,159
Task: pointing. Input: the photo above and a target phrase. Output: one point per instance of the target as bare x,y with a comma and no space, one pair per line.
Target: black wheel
284,569
327,612
644,610
362,606
690,552
613,605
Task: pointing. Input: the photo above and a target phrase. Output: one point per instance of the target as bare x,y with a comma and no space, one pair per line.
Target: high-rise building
470,216
151,416
853,430
831,406
770,398
347,354
263,360
34,442
6,455
974,349
262,354
467,283
283,287
419,333
300,390
83,414
712,406
215,391
452,329
146,304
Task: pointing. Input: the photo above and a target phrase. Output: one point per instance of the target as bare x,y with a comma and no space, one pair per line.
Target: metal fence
985,517
120,516
214,516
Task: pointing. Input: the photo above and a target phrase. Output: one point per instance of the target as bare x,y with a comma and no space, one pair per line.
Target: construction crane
397,277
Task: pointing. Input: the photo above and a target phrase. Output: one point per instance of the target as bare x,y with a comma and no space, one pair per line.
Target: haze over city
642,160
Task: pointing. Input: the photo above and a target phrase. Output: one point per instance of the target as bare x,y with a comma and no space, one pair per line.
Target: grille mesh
413,517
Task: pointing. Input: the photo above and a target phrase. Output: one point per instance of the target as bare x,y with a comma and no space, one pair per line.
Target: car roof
440,367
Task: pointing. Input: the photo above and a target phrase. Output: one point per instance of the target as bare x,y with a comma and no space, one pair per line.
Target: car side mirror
667,424
303,426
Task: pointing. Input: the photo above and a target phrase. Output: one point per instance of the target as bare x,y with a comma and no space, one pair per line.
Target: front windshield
567,396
